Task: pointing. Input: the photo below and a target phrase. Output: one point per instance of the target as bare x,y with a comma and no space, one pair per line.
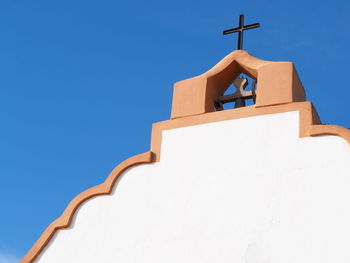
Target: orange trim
102,189
309,126
279,91
308,117
317,130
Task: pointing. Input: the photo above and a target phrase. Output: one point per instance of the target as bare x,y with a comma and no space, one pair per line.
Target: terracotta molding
317,130
279,90
308,117
66,218
309,124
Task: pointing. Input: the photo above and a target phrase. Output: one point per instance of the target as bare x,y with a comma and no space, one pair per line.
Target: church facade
265,182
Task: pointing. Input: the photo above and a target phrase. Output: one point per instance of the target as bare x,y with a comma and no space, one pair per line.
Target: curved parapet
318,130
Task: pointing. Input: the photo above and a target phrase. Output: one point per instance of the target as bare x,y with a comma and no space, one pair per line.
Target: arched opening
241,93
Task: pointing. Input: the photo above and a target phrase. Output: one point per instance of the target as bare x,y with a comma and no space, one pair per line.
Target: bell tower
277,83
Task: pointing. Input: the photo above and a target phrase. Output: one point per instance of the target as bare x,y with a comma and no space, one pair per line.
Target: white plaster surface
247,190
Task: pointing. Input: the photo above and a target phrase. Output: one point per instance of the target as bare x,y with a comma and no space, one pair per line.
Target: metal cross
240,30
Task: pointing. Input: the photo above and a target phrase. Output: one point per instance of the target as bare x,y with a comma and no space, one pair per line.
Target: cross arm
238,29
251,26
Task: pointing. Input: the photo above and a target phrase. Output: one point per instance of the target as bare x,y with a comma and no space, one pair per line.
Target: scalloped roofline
310,125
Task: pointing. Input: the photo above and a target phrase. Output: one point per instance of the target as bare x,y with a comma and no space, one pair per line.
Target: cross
240,30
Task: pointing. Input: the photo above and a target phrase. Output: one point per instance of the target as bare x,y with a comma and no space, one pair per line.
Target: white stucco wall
247,190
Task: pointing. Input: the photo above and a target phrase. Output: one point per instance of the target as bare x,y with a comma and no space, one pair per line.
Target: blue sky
82,82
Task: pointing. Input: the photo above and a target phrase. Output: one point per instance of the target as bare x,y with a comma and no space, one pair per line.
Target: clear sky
82,82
